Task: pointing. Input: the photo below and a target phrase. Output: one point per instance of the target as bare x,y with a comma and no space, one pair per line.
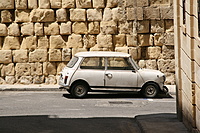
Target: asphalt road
49,112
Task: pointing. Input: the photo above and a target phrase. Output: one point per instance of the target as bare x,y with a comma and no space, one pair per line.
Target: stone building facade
38,37
187,52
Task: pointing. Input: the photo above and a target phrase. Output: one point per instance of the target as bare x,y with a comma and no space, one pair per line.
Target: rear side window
119,63
72,62
93,63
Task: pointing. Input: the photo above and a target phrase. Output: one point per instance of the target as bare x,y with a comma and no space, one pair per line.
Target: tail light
66,77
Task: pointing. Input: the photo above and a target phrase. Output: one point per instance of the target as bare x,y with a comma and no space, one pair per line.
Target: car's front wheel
79,90
150,90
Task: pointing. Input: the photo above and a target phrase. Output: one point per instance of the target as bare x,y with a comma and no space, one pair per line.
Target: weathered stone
38,55
1,42
22,69
83,3
51,29
56,42
144,40
159,39
2,81
142,3
140,13
108,27
157,26
43,43
49,68
22,15
42,15
6,16
131,13
107,14
77,50
26,80
66,54
60,67
169,38
5,56
152,13
89,41
66,28
7,4
75,41
151,64
135,52
167,12
167,52
51,79
159,2
119,40
68,3
170,78
39,29
94,28
61,15
32,4
104,41
131,40
130,3
169,25
125,27
27,29
143,26
96,48
29,42
11,42
94,14
142,63
121,49
56,3
38,79
44,4
21,4
112,3
166,65
8,70
98,3
153,52
55,55
36,68
20,56
10,79
79,28
3,30
13,30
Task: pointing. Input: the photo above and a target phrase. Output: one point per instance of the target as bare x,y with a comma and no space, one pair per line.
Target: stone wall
38,37
187,40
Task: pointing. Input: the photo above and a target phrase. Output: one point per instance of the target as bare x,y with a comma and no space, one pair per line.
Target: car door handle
109,75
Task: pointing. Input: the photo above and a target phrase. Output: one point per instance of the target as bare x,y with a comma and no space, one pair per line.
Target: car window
93,63
119,63
72,62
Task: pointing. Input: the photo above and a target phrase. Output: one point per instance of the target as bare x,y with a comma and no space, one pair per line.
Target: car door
120,73
92,70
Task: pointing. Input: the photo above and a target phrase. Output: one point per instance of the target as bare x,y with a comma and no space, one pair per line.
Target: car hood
150,72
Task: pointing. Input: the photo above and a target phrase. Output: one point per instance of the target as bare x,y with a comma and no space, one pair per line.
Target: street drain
120,102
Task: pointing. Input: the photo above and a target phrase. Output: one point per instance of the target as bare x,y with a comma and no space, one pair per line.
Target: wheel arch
80,81
153,83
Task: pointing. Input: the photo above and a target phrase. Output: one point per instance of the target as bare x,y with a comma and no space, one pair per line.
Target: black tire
79,90
150,90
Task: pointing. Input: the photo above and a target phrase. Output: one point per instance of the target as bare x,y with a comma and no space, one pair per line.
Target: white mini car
87,71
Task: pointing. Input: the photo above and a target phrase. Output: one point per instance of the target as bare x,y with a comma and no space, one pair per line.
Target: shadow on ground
117,94
157,123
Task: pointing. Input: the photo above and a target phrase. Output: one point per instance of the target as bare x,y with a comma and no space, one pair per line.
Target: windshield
72,62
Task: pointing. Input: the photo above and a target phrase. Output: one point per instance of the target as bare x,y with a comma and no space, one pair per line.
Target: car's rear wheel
79,90
150,90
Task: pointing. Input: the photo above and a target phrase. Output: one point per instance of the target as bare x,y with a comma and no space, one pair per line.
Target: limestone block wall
187,41
38,37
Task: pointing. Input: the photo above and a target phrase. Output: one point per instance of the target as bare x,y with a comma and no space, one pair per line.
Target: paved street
59,112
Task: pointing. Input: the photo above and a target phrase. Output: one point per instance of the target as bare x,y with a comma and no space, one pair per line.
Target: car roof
101,54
